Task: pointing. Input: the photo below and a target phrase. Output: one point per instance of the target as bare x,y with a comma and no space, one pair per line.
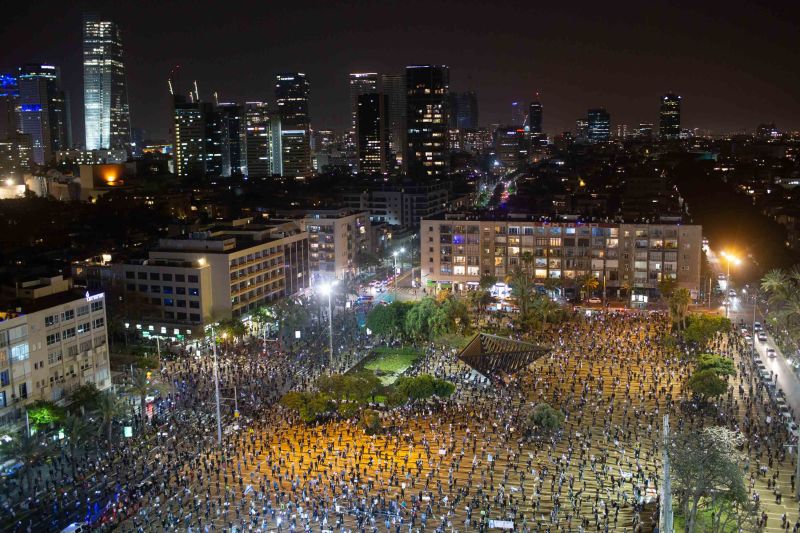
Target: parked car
10,468
771,352
732,293
595,300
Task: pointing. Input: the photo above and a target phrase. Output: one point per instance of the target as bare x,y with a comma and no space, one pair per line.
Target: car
771,352
721,277
762,336
793,429
757,326
595,300
76,527
732,293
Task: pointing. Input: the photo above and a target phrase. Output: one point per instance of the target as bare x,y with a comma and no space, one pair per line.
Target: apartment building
53,339
335,237
224,272
403,204
627,259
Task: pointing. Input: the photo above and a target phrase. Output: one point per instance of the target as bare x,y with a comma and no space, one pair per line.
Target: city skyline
575,61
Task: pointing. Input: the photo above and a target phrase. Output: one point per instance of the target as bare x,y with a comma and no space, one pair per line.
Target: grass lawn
392,362
703,522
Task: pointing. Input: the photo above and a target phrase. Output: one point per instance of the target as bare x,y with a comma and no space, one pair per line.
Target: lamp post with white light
395,254
730,258
216,385
327,289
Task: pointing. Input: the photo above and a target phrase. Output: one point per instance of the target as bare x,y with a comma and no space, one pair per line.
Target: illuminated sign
94,297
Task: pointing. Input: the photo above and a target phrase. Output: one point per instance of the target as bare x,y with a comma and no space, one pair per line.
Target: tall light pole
216,386
395,254
327,289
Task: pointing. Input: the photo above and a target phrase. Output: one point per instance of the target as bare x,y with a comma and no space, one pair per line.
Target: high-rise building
232,134
511,146
599,125
372,133
581,128
105,94
291,93
9,101
535,117
670,117
198,139
517,114
360,83
259,140
426,120
43,113
463,112
394,87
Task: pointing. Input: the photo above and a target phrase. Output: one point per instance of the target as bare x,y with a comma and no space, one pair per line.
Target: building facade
463,112
372,133
669,126
627,259
427,153
259,141
335,238
535,112
402,204
360,83
394,87
198,138
598,124
43,111
225,272
105,93
53,342
291,93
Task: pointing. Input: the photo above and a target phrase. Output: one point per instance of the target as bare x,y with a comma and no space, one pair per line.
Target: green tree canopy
720,365
42,413
706,384
546,418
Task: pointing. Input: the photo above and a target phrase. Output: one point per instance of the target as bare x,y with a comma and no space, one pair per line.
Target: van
11,467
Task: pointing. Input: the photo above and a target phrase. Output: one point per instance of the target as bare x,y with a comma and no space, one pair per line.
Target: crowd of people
473,462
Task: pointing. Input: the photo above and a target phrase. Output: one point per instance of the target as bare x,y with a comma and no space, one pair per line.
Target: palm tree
110,407
587,284
783,289
29,450
679,302
527,260
263,316
77,431
522,288
480,300
544,308
142,386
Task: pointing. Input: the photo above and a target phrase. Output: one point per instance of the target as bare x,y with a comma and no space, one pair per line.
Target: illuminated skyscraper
291,93
105,95
198,139
535,117
260,141
394,87
232,134
670,117
43,111
463,111
599,125
9,100
361,83
426,121
372,133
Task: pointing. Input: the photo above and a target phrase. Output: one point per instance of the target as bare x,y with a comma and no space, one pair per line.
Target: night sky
736,64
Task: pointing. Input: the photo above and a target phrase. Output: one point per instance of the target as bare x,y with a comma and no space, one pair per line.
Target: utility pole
666,487
216,387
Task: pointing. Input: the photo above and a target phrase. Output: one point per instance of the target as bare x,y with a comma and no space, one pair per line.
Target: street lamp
327,290
730,258
216,385
395,254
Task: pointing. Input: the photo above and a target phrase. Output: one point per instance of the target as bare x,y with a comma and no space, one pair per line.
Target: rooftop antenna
169,82
196,91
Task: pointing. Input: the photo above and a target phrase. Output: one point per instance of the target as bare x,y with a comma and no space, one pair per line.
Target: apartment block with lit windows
626,259
53,339
224,272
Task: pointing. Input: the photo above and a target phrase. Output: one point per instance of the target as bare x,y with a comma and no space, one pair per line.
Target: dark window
142,275
194,305
181,303
166,277
180,277
181,316
167,289
130,286
169,302
194,317
142,288
154,276
155,289
192,278
180,290
194,292
130,274
4,378
156,301
169,314
23,390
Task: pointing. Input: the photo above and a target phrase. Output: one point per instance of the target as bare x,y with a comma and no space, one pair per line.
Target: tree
545,418
702,328
705,467
480,300
543,308
370,421
706,384
588,284
231,328
666,286
487,281
43,413
76,430
262,317
85,397
422,387
783,290
110,407
366,261
720,365
142,386
30,450
522,289
679,301
385,321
